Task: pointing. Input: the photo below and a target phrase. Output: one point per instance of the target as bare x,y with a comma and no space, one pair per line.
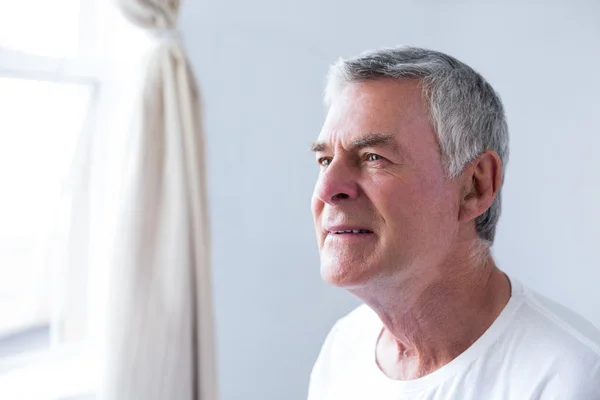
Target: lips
351,231
342,230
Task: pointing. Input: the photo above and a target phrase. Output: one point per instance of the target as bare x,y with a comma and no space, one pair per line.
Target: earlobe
483,178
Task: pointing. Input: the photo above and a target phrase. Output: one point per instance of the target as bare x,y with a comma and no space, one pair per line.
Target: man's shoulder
361,315
347,334
355,325
555,346
558,325
352,329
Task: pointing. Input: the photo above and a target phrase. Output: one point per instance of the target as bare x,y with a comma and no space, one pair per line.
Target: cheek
436,210
317,209
316,206
393,194
408,201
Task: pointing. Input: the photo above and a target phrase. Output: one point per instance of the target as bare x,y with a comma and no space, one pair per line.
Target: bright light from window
40,123
40,27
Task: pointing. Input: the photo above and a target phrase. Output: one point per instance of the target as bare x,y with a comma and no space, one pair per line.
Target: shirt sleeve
579,381
320,372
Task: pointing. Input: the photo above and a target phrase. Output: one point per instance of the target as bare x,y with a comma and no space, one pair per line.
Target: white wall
261,66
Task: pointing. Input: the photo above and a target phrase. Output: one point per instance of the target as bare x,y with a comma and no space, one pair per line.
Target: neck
431,317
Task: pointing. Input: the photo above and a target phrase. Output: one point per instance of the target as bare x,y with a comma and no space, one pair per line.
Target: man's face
382,202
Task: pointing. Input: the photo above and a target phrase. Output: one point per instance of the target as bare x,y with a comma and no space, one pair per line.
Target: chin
345,274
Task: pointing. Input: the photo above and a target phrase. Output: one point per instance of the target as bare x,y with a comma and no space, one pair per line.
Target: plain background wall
261,66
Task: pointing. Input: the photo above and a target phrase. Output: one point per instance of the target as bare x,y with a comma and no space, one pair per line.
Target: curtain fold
160,336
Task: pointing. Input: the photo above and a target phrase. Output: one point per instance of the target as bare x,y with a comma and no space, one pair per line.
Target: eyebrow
369,140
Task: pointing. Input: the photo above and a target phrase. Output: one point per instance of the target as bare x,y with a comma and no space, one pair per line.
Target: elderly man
412,157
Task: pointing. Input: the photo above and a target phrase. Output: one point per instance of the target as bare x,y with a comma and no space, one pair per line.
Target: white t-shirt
535,349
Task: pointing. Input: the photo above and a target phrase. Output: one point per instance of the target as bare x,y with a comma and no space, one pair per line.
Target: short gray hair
464,110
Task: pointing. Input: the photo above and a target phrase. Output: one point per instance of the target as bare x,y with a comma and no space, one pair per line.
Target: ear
482,180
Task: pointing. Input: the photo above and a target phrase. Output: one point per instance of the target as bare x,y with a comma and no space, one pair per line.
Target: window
48,28
40,123
50,80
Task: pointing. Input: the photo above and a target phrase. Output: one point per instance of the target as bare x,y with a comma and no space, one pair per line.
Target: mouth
350,231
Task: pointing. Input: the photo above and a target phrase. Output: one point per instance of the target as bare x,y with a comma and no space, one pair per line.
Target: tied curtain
160,343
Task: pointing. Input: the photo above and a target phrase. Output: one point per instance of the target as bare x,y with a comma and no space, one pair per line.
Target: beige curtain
160,334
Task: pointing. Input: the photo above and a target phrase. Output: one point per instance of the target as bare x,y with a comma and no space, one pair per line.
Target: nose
337,183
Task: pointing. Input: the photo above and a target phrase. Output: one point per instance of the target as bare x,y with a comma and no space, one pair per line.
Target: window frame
88,67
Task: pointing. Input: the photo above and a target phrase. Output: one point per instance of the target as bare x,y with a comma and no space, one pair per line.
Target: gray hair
464,110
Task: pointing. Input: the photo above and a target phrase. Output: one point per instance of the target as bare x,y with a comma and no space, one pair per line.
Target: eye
324,161
373,157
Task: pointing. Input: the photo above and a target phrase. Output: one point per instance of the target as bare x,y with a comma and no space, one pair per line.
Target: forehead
385,105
